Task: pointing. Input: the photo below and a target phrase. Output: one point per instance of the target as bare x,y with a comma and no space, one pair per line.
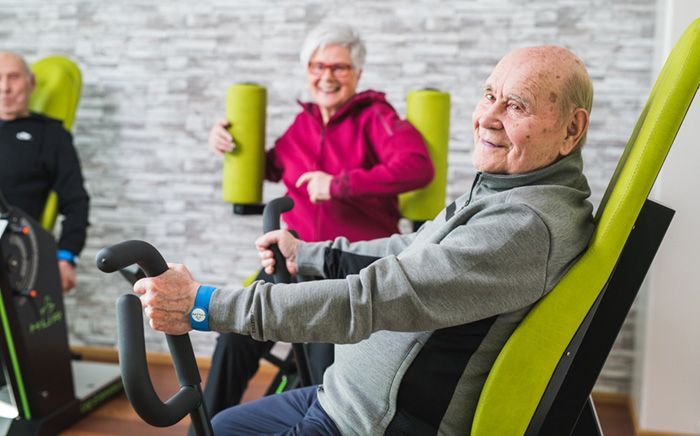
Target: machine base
94,383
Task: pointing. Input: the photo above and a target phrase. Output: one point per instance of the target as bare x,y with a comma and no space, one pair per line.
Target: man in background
36,157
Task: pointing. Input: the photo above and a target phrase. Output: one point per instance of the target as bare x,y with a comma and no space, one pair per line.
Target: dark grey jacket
424,315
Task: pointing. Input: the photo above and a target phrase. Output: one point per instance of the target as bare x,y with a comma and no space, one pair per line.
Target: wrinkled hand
168,299
67,272
318,187
287,245
220,140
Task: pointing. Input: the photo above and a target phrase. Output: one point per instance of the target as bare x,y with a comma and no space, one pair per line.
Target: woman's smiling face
331,82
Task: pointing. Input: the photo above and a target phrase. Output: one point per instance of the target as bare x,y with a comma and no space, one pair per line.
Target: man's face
16,85
518,123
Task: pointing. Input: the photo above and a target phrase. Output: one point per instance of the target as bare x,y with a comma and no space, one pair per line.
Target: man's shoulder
39,121
52,127
38,127
43,119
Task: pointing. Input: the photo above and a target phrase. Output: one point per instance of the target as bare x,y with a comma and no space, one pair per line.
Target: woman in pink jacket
348,155
344,160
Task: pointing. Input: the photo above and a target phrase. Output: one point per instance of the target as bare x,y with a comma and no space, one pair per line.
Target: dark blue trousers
295,412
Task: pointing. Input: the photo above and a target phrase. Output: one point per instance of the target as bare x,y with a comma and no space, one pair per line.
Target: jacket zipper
471,191
318,168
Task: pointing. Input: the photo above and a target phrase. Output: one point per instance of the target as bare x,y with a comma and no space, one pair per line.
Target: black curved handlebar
127,253
132,348
271,221
134,369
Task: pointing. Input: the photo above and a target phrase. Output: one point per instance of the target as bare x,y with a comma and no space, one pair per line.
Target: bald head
534,110
559,69
12,57
16,85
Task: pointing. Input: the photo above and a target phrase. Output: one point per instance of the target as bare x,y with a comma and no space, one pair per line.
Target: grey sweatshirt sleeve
312,257
495,264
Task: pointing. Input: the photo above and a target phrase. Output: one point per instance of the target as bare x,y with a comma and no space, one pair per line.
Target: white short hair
334,34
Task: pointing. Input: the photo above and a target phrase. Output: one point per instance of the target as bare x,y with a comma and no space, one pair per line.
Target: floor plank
118,418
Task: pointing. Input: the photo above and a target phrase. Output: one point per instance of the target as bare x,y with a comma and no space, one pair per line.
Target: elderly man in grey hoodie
419,318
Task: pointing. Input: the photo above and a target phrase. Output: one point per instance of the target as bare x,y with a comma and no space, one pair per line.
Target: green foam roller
244,167
429,112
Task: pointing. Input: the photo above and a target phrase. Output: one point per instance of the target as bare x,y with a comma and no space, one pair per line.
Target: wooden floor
118,418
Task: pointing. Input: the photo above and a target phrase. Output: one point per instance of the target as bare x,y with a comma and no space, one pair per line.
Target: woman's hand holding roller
220,140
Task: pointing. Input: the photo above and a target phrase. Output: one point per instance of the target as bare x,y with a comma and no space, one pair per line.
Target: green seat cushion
57,93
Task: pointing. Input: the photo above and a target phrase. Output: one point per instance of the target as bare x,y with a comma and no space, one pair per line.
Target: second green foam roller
429,112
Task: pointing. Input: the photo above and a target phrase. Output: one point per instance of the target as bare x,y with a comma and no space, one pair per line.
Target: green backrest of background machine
525,365
57,93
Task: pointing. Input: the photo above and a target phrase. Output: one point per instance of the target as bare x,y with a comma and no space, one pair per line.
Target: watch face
199,314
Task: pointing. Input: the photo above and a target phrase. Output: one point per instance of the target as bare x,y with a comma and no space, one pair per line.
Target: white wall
155,75
667,385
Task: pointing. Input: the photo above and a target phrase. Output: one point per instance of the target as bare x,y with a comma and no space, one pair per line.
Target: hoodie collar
566,171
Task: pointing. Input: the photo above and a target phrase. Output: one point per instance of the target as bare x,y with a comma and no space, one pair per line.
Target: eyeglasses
339,70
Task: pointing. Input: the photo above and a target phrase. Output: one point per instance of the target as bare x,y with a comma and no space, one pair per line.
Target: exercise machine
130,335
132,349
543,377
45,390
271,221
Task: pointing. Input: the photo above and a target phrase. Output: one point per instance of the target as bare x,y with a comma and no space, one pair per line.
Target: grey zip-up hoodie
423,316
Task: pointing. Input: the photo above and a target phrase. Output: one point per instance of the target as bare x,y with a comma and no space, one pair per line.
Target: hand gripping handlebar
132,349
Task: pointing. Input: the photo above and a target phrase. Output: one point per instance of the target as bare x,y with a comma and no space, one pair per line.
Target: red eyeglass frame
337,69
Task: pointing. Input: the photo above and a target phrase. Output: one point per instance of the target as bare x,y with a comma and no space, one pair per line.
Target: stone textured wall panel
155,77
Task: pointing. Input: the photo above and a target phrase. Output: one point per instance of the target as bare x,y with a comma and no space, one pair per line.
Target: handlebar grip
132,348
127,253
271,221
137,383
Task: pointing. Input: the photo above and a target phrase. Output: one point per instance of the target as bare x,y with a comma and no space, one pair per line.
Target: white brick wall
155,76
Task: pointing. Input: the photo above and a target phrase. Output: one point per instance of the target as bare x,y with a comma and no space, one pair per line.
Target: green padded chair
542,379
57,93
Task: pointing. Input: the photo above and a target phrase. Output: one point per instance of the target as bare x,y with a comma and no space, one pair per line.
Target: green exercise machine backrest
57,93
526,363
244,168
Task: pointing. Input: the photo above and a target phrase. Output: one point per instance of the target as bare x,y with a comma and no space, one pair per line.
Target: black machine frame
566,406
44,384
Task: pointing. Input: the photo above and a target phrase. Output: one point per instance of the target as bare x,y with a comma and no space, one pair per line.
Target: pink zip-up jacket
372,154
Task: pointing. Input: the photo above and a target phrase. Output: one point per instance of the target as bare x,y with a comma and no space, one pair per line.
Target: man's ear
575,129
32,82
